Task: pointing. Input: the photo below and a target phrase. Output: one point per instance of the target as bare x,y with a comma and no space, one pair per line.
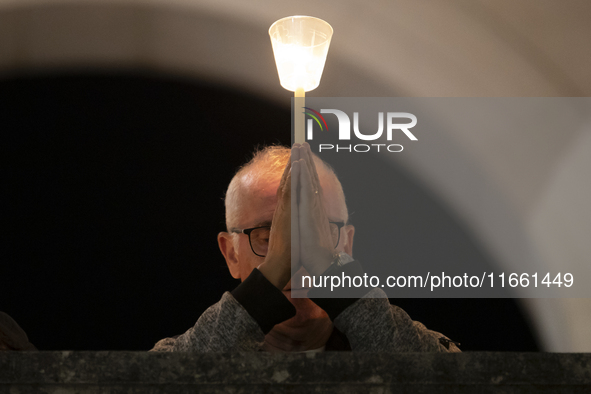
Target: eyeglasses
258,237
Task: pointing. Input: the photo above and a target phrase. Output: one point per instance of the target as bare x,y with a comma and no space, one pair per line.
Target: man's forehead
260,197
260,187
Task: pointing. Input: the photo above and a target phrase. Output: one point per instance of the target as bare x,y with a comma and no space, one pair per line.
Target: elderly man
280,193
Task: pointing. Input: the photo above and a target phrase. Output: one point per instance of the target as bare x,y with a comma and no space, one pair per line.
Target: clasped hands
300,232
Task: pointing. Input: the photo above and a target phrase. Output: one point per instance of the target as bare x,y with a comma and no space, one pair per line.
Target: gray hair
268,162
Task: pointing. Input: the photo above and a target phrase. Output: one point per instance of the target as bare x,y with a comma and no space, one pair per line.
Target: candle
300,45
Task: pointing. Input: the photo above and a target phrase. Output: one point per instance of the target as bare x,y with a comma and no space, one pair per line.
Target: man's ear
349,234
227,247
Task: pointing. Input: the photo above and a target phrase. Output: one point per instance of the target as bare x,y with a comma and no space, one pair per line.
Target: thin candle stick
299,117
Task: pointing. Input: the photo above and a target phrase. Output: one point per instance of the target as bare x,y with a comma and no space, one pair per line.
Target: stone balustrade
336,372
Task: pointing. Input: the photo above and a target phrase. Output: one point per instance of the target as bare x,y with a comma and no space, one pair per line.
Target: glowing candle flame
300,45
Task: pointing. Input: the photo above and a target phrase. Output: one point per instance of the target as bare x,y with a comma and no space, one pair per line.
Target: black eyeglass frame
248,231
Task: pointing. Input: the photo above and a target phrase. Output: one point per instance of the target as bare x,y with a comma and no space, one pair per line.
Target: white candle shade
300,45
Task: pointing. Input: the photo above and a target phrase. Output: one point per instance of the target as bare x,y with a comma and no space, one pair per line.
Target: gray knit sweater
240,320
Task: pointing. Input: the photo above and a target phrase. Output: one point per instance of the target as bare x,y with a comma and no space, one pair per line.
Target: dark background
111,200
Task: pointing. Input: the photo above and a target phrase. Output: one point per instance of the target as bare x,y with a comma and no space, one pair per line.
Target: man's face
258,205
257,209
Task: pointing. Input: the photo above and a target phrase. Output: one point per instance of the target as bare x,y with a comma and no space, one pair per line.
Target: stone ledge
135,372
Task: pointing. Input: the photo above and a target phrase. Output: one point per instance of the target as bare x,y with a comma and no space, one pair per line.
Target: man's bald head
265,168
